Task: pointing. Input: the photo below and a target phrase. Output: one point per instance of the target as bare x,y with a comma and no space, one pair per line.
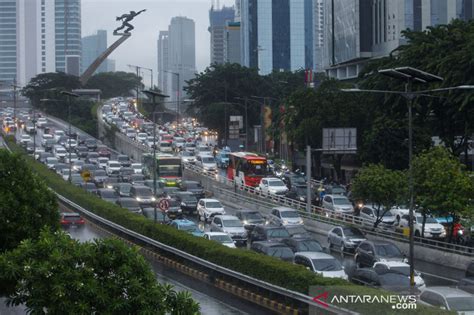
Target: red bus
246,168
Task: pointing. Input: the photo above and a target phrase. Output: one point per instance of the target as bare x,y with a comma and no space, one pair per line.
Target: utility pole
178,95
137,70
14,100
308,178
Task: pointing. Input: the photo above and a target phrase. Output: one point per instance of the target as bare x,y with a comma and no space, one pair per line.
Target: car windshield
125,171
338,190
221,238
115,165
100,173
213,204
353,232
165,144
143,192
394,279
298,180
296,230
108,194
186,197
129,203
72,217
278,233
251,216
186,153
309,246
427,220
327,264
342,201
404,270
282,252
289,214
232,223
461,304
187,227
208,160
122,158
387,250
276,183
193,186
125,188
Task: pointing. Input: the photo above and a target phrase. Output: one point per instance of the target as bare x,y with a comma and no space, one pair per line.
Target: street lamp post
410,76
245,99
69,95
153,95
178,94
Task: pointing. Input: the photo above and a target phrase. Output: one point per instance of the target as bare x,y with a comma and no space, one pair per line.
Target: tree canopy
26,204
114,84
60,275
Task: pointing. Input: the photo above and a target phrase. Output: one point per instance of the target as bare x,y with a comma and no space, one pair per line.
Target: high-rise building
32,37
218,19
110,65
176,59
277,35
68,35
92,47
163,62
318,20
232,42
357,31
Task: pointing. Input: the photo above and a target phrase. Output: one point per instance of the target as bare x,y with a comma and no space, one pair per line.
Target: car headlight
245,222
301,221
285,222
153,199
139,199
405,260
183,204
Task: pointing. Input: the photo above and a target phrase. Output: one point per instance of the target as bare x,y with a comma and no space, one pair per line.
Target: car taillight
64,221
81,221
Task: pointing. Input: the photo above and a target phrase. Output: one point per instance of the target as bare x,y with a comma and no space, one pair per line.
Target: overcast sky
141,48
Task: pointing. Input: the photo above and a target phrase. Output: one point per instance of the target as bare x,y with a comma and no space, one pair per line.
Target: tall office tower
163,61
232,42
92,47
277,34
68,36
318,20
237,8
181,57
217,27
357,31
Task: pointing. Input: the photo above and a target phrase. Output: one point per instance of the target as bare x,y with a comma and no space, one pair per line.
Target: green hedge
261,267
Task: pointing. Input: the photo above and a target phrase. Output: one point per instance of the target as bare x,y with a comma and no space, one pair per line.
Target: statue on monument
125,18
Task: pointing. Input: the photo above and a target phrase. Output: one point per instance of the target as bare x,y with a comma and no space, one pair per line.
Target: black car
298,231
293,179
130,204
335,190
368,252
123,189
110,182
124,160
273,249
299,193
91,144
268,233
82,151
303,245
161,217
90,187
187,201
125,174
390,281
137,179
174,210
49,144
107,194
250,218
194,187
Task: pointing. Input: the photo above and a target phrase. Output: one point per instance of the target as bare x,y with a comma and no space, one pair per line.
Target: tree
114,84
383,188
47,85
441,185
26,204
59,275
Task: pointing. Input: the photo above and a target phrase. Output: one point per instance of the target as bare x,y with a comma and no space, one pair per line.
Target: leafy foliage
114,84
26,205
383,188
63,276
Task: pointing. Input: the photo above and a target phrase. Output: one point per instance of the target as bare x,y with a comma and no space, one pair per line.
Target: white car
102,162
25,139
58,134
165,146
399,267
71,144
46,136
321,263
113,168
38,152
208,208
142,137
131,133
272,186
220,237
398,212
433,229
187,157
283,216
137,168
51,161
59,152
207,163
71,158
41,123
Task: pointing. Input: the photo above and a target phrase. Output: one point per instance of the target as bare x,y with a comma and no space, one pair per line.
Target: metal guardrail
295,296
319,214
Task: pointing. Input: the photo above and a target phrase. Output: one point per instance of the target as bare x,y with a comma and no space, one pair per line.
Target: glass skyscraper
68,32
8,40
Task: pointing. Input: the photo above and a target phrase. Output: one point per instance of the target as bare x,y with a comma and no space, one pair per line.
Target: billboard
339,140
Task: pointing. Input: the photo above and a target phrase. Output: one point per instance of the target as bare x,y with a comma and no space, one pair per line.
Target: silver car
231,225
337,204
370,215
345,238
284,216
448,298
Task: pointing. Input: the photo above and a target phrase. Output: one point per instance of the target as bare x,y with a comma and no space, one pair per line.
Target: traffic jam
154,187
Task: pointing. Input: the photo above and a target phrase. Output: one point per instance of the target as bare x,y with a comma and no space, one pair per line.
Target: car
346,238
399,211
60,152
91,144
337,204
207,208
45,137
448,298
222,158
273,249
187,226
107,194
189,147
64,172
92,158
399,267
187,201
89,187
298,231
99,177
142,137
321,263
137,179
299,193
131,204
125,174
161,217
71,158
38,152
272,186
103,151
284,216
30,128
113,168
70,144
250,218
124,160
25,139
77,165
71,219
82,151
89,167
268,233
102,162
143,195
220,237
58,134
76,179
174,209
335,190
207,163
433,229
137,168
292,179
123,189
43,155
466,284
41,122
231,225
304,244
187,157
369,252
390,281
51,161
370,215
49,145
193,187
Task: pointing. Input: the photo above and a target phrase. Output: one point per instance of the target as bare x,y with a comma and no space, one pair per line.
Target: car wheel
417,233
329,245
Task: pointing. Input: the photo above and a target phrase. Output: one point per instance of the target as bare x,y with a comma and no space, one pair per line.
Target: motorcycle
459,234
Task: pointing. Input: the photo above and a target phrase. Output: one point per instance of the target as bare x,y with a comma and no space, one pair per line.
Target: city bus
168,168
247,169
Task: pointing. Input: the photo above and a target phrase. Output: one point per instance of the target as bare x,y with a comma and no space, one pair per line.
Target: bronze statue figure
125,18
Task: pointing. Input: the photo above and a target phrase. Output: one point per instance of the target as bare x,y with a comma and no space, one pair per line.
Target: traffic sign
86,175
164,204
